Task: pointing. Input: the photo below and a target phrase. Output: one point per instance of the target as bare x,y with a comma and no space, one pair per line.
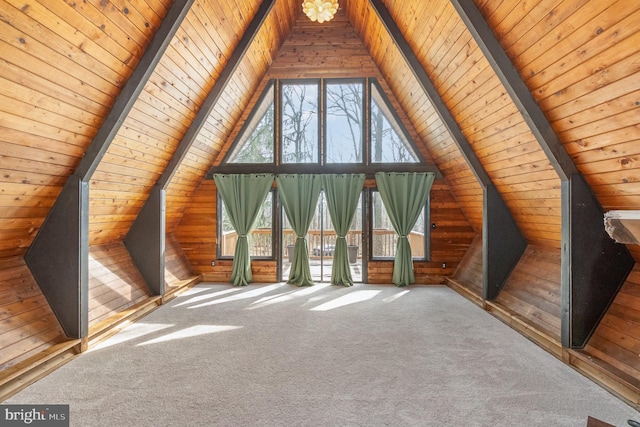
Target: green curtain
243,196
299,196
342,192
404,196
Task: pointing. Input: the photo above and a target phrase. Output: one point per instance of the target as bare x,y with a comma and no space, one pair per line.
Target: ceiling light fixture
320,10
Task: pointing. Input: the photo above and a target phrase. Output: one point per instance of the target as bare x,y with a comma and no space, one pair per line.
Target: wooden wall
115,284
196,233
469,273
27,323
533,289
328,59
616,341
220,28
483,110
178,271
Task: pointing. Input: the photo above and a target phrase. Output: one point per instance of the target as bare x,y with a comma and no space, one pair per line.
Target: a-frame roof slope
482,109
578,59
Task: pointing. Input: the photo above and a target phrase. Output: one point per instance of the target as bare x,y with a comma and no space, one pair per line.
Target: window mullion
322,122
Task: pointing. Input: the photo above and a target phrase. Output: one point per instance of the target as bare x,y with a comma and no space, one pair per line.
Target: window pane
389,143
343,128
260,238
384,238
300,123
255,143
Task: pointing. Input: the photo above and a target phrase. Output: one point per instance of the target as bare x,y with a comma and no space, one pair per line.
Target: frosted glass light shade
320,10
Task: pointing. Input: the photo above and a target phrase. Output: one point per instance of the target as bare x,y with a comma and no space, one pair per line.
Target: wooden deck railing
384,242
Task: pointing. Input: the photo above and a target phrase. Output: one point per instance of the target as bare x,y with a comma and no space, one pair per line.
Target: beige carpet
277,355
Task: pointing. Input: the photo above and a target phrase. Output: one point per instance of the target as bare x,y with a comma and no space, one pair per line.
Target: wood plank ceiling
579,59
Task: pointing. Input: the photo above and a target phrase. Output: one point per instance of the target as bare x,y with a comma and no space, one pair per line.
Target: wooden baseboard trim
607,376
174,291
22,374
464,291
531,331
109,327
106,328
620,384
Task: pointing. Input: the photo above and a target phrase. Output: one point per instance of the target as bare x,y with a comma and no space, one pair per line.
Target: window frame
279,124
321,166
394,114
271,85
364,112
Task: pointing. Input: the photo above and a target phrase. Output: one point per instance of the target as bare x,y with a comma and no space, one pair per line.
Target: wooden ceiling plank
503,241
520,94
125,101
63,239
612,26
431,92
215,93
145,239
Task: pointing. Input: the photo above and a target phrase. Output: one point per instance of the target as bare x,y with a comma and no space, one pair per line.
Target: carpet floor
278,355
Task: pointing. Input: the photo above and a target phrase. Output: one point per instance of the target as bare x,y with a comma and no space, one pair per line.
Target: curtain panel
404,196
342,193
299,196
242,196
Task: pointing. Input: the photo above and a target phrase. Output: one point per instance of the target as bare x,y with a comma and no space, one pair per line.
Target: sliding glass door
321,241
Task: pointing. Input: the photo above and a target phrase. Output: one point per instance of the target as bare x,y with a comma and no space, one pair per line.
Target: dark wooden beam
369,170
594,266
145,240
132,89
502,246
213,96
58,257
513,84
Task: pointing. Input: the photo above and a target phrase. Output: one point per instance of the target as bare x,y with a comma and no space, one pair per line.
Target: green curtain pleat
342,193
242,196
299,196
404,196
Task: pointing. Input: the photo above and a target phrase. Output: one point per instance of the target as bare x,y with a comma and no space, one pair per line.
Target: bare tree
345,101
258,146
296,120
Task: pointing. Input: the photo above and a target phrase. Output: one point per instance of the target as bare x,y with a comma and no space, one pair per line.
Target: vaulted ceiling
64,65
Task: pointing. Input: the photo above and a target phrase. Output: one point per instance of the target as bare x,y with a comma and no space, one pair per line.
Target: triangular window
342,126
254,143
389,140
